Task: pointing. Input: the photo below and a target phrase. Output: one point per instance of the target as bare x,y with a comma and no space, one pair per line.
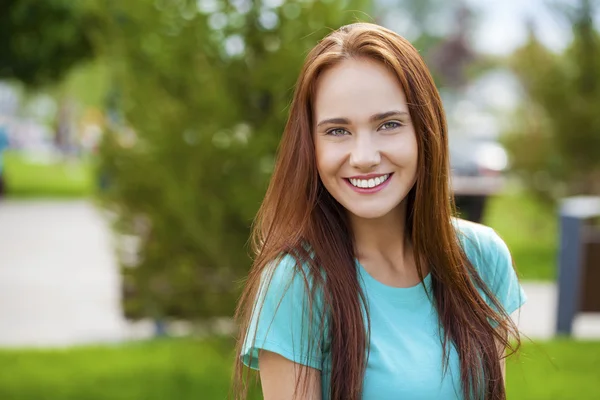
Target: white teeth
369,183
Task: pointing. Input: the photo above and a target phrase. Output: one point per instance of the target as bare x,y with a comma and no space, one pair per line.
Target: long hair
297,209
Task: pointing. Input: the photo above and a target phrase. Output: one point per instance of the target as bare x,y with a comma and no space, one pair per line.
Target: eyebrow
374,118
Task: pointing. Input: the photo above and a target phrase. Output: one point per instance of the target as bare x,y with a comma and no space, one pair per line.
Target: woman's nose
365,154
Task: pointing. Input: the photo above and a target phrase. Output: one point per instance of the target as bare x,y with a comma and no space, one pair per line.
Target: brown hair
297,209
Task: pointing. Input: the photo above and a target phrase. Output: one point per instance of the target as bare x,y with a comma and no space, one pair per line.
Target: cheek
320,159
405,152
329,160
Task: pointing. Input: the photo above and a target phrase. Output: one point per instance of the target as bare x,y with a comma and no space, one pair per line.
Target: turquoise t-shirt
405,359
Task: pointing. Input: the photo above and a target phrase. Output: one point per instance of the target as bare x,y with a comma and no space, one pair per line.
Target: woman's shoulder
285,269
282,269
492,260
289,276
482,245
287,315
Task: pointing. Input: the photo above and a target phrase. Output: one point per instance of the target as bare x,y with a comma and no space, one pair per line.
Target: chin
369,213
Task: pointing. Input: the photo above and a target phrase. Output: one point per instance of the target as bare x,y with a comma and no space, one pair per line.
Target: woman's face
365,143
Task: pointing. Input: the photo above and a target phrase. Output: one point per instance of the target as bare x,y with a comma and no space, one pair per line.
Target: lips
369,183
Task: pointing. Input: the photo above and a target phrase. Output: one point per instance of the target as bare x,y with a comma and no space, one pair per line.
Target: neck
382,238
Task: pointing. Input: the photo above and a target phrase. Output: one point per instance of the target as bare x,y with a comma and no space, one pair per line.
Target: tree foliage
41,40
204,89
556,142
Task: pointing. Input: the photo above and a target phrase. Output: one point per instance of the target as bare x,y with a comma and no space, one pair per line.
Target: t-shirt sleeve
502,278
281,321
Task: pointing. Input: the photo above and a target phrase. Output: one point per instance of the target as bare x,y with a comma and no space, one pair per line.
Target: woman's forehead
357,89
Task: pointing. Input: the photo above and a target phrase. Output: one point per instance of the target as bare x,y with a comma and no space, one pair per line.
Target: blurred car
477,173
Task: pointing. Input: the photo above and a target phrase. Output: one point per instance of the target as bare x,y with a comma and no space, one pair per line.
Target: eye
336,132
391,125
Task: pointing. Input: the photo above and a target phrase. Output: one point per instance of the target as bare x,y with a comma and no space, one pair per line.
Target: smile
369,186
369,183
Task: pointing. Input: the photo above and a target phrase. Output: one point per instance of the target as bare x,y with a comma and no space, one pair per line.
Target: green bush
206,94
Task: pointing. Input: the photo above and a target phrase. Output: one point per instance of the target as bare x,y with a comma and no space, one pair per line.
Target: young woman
364,285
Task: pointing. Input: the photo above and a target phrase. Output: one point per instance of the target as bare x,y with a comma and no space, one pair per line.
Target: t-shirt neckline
396,294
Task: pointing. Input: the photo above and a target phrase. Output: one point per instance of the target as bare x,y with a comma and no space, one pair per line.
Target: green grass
531,232
155,370
26,177
556,370
189,369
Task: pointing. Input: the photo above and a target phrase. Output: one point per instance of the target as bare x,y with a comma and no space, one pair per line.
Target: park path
59,280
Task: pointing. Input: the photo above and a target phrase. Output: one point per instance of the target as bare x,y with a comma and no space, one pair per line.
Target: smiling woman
366,141
364,285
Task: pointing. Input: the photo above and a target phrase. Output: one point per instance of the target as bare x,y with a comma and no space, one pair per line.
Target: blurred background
137,139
